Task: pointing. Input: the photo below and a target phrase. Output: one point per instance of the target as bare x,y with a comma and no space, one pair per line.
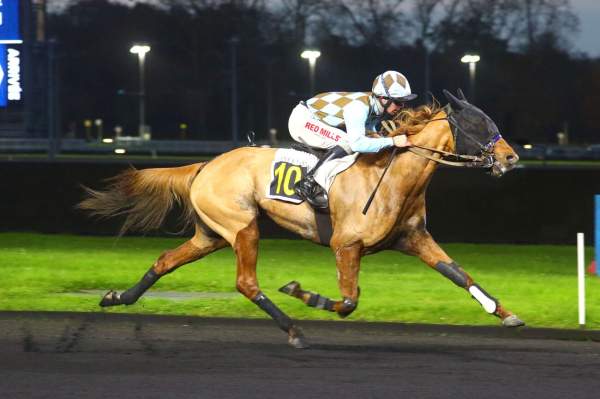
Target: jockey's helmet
393,86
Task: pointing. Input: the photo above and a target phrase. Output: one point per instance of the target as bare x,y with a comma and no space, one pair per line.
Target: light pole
233,43
141,50
311,56
472,60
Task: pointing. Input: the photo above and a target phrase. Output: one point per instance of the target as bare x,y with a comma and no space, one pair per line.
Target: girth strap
324,226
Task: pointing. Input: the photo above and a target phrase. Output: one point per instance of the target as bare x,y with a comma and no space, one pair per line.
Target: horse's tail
145,197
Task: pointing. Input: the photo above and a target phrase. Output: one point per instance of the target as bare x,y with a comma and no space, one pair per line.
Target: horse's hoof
298,342
512,321
296,339
111,298
348,306
292,288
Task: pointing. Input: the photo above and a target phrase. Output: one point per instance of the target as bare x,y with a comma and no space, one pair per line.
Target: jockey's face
393,107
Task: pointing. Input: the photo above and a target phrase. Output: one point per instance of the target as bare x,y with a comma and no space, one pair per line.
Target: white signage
14,74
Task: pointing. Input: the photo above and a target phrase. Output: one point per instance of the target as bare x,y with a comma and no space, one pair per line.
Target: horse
223,197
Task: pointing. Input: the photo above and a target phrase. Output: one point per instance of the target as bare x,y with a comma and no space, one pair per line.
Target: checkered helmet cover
391,84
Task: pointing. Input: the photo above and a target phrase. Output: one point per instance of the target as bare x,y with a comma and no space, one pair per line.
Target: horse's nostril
512,159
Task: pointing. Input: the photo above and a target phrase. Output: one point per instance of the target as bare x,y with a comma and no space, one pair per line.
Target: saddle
317,152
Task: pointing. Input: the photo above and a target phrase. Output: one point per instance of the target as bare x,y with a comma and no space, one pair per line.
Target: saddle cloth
289,166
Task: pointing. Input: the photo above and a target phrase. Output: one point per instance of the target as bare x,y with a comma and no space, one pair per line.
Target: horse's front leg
421,244
348,266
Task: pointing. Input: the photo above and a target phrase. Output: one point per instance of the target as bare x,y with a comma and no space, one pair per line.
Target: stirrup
318,202
308,189
305,187
318,198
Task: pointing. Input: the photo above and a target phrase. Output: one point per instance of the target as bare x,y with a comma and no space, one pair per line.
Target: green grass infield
70,273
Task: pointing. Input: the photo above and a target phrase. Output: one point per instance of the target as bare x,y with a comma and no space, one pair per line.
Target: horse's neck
435,134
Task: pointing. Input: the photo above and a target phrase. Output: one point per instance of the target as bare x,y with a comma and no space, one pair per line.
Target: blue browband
492,142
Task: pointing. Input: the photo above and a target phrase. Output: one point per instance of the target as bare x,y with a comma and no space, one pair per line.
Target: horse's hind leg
246,251
197,247
421,244
348,266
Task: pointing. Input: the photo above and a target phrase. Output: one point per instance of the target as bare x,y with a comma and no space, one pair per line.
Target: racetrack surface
78,355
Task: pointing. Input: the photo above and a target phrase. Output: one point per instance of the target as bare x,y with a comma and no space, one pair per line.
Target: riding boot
308,189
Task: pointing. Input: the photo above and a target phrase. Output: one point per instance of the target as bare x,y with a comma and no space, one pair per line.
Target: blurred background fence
541,205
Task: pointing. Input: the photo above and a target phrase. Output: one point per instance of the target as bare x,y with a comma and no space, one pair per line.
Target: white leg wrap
489,304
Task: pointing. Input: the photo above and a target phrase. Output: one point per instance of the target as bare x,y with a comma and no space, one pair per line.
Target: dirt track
131,356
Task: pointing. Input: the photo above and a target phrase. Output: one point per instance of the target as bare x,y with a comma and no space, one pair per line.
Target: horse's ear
454,102
461,95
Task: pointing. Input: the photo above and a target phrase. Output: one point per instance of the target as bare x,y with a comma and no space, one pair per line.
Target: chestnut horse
223,197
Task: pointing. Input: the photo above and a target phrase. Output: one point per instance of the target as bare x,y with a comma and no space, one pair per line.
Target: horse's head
475,133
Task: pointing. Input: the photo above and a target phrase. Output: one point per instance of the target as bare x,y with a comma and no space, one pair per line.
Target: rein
464,161
485,160
390,159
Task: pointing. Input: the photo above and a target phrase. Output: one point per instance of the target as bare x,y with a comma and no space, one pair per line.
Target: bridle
485,160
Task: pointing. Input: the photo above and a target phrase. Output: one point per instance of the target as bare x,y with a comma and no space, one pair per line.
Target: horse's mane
413,120
409,121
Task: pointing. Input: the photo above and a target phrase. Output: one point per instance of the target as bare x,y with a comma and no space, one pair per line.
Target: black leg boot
308,189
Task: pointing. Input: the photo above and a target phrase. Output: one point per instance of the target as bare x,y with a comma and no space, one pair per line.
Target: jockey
338,122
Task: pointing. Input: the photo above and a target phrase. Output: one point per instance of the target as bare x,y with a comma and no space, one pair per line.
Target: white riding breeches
307,129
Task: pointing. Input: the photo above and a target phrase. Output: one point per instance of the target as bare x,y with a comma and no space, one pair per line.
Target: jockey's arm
355,117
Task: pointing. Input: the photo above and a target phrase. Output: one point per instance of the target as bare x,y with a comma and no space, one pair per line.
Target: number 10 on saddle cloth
289,166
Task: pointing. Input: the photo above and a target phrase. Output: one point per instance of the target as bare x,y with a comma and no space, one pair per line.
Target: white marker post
581,277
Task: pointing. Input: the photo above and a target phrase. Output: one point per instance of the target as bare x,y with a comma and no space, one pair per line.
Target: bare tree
521,23
424,18
297,14
200,5
378,22
540,18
